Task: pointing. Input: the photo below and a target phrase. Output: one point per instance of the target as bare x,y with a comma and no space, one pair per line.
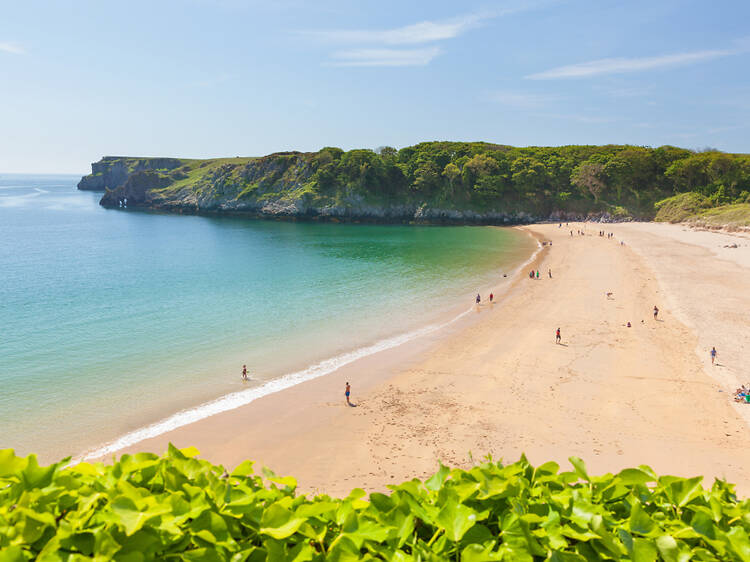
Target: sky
205,78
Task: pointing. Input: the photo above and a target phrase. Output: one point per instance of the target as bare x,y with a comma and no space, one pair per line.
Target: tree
426,177
590,177
478,166
688,174
452,174
386,152
528,174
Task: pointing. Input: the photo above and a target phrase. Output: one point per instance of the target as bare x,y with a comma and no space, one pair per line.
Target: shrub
680,207
145,507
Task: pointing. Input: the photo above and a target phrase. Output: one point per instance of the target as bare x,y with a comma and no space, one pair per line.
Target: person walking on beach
537,274
558,338
656,312
244,372
347,392
491,297
713,355
550,273
479,299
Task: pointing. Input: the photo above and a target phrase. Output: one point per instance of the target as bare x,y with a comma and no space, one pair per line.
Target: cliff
113,171
430,182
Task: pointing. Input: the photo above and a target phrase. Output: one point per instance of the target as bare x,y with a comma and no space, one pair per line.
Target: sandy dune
497,383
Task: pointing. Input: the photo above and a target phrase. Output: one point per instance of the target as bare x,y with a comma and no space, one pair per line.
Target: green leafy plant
178,507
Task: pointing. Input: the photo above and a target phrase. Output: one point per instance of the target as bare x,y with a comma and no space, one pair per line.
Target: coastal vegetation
434,180
145,507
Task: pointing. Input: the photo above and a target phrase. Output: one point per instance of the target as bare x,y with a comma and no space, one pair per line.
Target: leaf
684,490
559,556
456,519
12,554
631,476
640,522
245,468
644,551
740,545
190,452
128,514
287,481
479,553
359,530
668,548
35,476
436,481
10,464
580,468
279,523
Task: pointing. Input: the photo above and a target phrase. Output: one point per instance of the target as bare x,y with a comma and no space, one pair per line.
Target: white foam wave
244,397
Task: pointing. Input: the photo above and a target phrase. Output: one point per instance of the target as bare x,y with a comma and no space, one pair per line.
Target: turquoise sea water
112,320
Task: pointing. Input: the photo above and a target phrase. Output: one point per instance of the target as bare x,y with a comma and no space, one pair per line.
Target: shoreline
496,384
243,398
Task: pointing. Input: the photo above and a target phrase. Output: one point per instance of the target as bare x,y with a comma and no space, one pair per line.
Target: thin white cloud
389,47
12,48
422,32
385,57
622,65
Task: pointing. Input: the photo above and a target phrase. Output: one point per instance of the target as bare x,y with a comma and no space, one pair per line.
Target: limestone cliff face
136,190
112,171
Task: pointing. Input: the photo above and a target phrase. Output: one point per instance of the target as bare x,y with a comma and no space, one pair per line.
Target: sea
117,325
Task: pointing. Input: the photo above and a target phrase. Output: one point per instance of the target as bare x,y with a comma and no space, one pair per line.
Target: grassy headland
453,181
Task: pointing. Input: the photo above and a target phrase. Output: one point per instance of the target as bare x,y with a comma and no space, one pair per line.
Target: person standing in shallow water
244,372
491,297
479,299
347,392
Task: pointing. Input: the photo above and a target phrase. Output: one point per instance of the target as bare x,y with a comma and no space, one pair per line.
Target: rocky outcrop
112,171
136,190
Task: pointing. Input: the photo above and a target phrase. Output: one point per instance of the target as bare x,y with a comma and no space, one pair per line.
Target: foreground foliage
178,507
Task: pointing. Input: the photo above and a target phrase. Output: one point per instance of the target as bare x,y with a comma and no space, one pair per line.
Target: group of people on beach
534,274
479,298
742,394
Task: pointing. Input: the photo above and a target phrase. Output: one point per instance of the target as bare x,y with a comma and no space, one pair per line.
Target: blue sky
202,78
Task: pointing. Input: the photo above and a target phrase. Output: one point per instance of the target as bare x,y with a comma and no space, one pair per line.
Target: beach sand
497,383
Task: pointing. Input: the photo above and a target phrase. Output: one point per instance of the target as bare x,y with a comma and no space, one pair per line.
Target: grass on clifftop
698,209
146,507
680,207
726,216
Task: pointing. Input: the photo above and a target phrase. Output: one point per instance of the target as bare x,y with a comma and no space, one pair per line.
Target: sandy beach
497,383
